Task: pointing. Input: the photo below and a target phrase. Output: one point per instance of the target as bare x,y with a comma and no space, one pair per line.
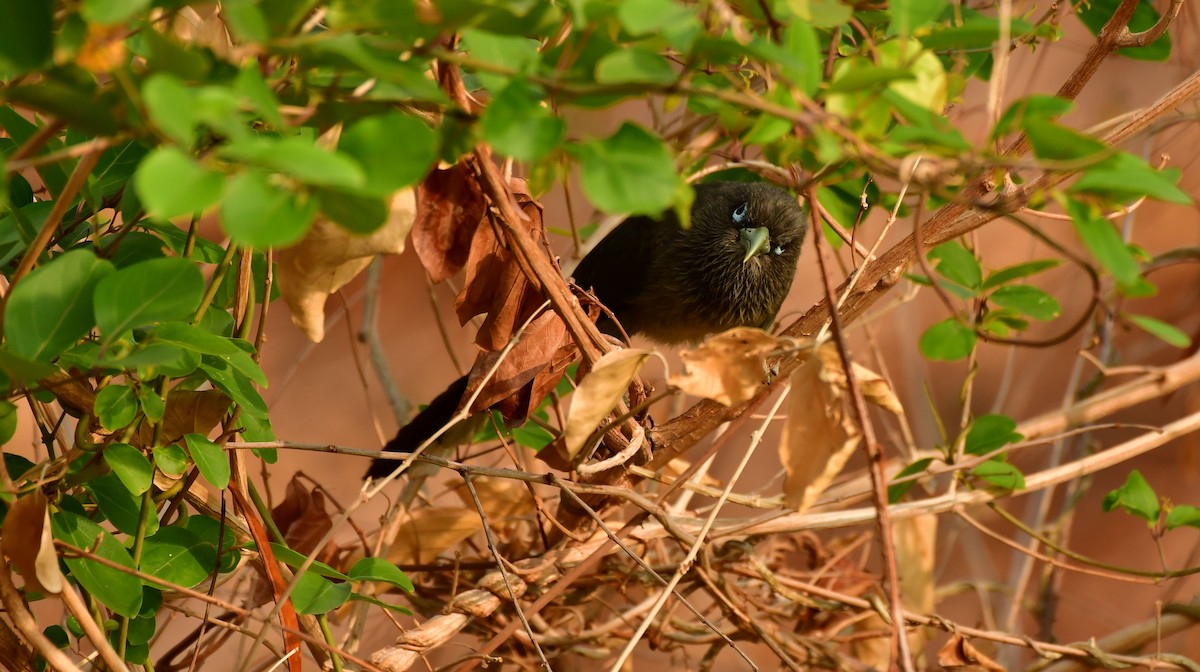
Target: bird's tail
424,425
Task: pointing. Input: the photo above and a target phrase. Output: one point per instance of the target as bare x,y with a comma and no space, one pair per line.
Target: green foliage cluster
126,120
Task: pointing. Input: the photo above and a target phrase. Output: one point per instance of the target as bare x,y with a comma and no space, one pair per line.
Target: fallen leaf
430,532
959,654
450,207
598,393
26,540
303,520
730,367
329,257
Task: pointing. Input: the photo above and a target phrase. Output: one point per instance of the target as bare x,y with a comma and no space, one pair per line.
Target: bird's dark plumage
733,267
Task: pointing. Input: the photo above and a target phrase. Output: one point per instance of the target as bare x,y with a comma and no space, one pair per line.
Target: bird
732,267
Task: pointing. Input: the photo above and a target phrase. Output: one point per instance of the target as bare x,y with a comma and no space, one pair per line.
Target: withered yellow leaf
598,394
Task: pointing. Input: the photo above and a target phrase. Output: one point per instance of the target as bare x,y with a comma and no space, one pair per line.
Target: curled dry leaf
329,257
450,207
915,540
303,519
730,367
820,435
427,533
539,344
187,412
26,541
495,282
959,654
598,394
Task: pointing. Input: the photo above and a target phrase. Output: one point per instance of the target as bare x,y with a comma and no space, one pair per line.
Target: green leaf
116,406
380,603
147,292
170,459
630,171
821,13
109,12
196,339
1029,108
947,341
898,490
299,158
1168,333
152,405
1010,273
210,459
1056,142
171,106
1136,497
353,212
8,422
532,436
677,23
246,22
1000,474
122,508
131,466
802,41
1102,241
909,15
1027,300
517,124
52,307
378,569
395,150
634,65
1126,176
171,183
1181,515
26,33
178,555
235,385
118,590
296,560
990,432
316,595
957,264
260,214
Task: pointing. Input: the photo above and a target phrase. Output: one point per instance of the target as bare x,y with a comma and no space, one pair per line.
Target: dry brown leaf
819,436
329,257
730,367
916,544
450,207
495,283
530,356
875,387
73,392
27,542
598,394
502,498
430,532
187,412
958,654
303,520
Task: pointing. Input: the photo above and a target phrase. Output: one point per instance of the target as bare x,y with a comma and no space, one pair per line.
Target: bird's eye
739,215
778,250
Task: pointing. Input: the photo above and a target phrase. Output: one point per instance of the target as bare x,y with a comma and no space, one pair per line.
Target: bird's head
756,226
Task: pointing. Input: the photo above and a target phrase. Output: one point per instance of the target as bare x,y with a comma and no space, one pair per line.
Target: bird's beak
756,241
